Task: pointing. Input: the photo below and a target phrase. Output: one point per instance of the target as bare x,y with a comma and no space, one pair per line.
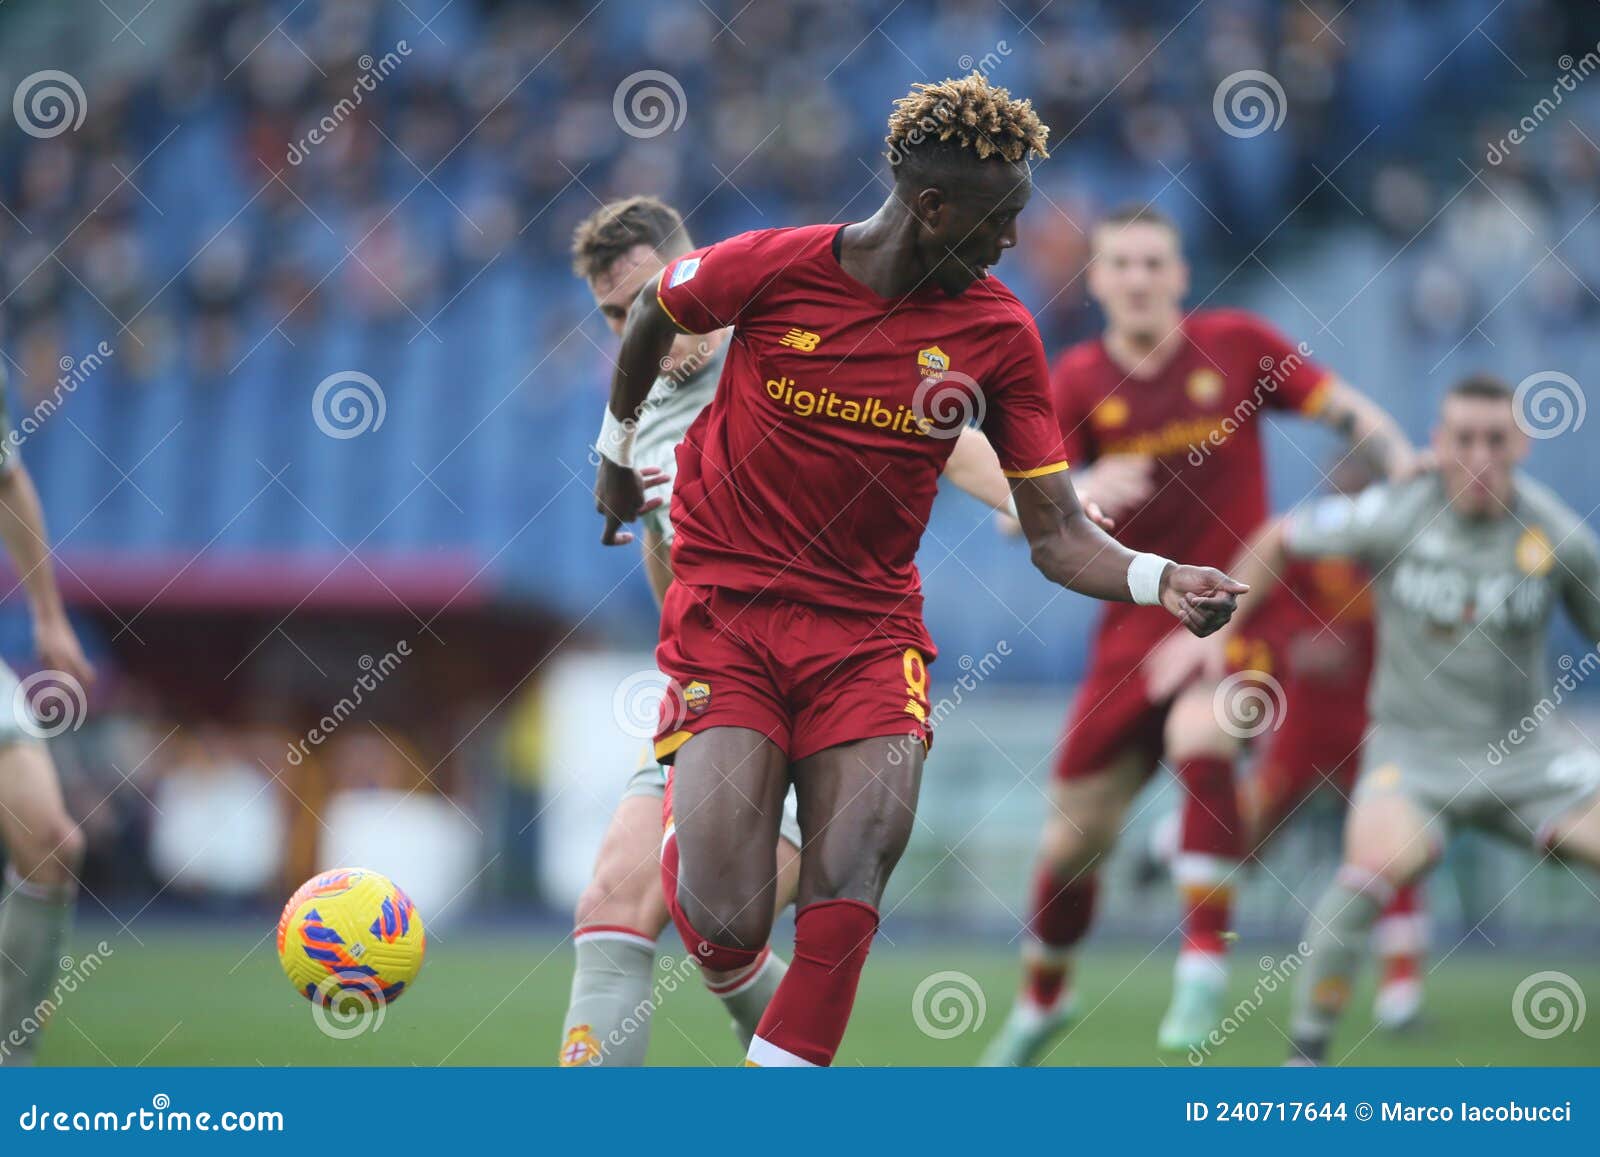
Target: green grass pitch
199,997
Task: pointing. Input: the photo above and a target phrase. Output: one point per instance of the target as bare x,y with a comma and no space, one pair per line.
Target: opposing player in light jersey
1469,565
1292,676
1164,411
618,249
794,627
43,845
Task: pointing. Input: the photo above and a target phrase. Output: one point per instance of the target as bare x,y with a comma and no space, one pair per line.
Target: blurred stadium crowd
232,262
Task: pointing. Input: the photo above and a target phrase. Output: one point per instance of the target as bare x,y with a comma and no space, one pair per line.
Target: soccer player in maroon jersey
793,630
1163,409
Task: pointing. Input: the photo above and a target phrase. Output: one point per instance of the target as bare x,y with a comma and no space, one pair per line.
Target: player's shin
806,1019
1062,913
33,927
746,994
1336,935
608,1018
1210,844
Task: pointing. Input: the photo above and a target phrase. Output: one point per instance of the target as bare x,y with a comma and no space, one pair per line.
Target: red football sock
1401,935
1062,912
1211,845
806,1018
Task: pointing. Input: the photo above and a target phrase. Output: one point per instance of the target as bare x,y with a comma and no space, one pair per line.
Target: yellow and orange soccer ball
351,940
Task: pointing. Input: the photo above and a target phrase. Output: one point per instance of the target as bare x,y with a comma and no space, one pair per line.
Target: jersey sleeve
1017,415
1362,526
708,289
1580,589
1287,376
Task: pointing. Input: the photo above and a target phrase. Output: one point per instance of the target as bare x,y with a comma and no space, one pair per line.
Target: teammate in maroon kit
793,632
1163,411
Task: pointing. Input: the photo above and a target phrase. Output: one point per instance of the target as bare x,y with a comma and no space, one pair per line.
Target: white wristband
616,439
1144,578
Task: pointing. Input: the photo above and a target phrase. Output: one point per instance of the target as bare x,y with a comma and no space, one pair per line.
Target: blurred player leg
1081,827
45,850
717,866
1401,937
1211,843
618,918
1387,843
857,805
1576,835
1292,767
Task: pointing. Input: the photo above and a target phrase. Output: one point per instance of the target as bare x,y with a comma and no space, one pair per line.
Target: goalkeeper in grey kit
1469,563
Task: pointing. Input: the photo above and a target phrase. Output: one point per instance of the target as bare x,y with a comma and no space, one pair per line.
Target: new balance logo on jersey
800,339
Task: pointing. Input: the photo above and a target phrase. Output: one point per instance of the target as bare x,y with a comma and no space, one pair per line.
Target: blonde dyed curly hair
970,114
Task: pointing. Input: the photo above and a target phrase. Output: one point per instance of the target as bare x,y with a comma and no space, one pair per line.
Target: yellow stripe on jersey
1039,472
1318,397
663,304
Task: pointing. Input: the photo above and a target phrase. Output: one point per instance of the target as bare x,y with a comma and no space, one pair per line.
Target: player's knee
726,921
1193,729
1075,841
52,853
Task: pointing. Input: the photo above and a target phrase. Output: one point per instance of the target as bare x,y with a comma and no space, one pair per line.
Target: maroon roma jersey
812,473
1199,417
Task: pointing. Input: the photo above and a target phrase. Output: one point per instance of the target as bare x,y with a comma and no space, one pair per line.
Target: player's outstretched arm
23,532
1069,549
1370,431
619,490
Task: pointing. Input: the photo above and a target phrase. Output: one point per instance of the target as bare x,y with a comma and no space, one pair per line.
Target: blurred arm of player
1070,549
1180,658
1580,590
619,489
23,532
1371,432
974,468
